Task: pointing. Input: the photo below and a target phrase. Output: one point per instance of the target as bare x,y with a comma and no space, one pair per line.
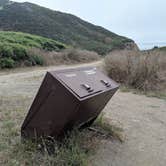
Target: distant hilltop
5,2
62,27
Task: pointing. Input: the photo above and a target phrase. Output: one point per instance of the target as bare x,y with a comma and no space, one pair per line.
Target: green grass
28,40
108,130
15,46
69,153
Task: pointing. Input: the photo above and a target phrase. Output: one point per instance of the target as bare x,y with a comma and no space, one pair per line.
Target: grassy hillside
66,28
14,48
27,40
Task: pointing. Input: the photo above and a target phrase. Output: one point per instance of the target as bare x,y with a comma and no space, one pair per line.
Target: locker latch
88,88
106,83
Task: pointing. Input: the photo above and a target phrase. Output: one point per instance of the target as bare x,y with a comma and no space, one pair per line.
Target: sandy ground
142,118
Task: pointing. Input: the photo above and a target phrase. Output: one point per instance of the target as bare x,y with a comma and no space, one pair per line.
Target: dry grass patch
140,70
108,130
67,56
75,149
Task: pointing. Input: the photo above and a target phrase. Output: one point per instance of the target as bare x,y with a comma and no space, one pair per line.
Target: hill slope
15,48
66,28
28,40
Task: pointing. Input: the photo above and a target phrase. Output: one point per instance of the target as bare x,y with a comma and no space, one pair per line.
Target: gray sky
141,20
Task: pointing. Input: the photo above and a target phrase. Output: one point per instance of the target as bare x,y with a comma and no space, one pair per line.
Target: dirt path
142,118
144,123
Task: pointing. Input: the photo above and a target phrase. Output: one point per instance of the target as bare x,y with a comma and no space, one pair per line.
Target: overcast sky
141,20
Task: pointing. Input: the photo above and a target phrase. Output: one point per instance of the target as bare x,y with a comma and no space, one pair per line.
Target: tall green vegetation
21,49
14,49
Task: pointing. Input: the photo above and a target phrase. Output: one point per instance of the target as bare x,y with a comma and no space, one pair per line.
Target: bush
78,56
13,54
7,63
28,41
52,46
35,56
5,50
15,46
140,70
68,56
36,60
15,51
20,53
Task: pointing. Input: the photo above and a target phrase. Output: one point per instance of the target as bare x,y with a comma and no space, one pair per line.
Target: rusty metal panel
67,98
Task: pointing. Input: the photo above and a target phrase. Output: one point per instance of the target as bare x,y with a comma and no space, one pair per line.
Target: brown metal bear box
66,99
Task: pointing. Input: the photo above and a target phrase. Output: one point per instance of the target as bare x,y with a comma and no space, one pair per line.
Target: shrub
35,57
7,63
5,50
27,63
118,44
52,46
140,70
15,51
68,56
36,60
77,55
28,40
20,52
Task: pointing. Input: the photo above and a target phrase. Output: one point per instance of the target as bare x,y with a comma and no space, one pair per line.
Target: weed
15,46
74,150
7,63
108,129
144,71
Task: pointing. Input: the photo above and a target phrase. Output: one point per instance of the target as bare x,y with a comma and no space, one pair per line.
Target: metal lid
85,82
